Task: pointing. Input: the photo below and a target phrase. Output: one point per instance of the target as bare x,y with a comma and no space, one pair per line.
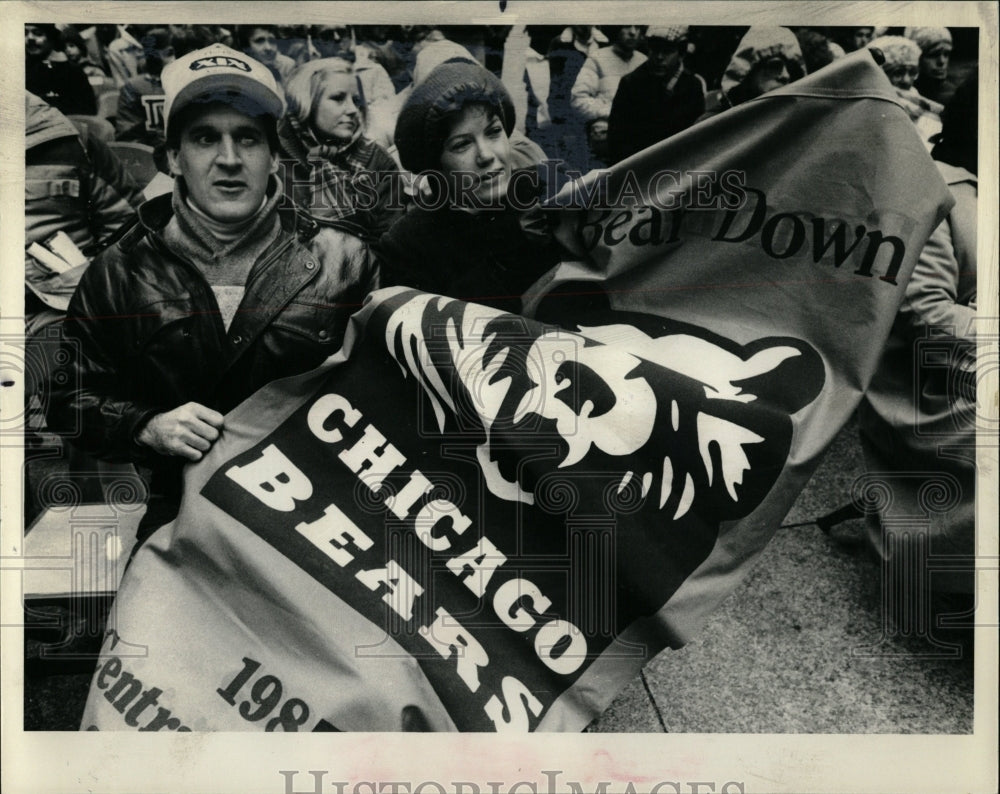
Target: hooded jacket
73,184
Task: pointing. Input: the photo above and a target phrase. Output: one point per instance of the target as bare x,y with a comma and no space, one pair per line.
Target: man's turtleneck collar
209,240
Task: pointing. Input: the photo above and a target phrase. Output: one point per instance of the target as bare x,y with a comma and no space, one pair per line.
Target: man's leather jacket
144,334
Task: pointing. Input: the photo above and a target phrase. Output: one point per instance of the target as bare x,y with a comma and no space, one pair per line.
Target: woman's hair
304,87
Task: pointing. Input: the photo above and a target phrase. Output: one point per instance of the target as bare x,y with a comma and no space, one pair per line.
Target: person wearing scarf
935,57
332,170
901,66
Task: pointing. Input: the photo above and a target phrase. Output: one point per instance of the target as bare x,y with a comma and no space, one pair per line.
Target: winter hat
928,38
436,53
422,125
761,43
667,32
220,73
898,51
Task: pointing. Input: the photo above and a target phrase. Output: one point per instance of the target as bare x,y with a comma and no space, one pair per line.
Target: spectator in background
567,53
765,59
325,150
914,408
901,66
597,83
817,50
859,38
140,101
657,100
295,43
97,38
537,82
260,42
377,91
77,54
51,77
376,43
935,56
216,291
125,52
73,184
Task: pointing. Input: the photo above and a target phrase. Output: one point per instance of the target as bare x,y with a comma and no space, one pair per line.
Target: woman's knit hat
898,51
760,44
422,125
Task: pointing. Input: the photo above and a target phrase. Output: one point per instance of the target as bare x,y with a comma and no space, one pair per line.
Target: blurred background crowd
564,80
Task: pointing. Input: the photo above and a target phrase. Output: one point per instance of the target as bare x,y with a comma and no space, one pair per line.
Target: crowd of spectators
407,100
564,80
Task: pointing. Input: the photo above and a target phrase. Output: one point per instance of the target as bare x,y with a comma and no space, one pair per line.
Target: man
657,100
218,288
51,77
598,80
595,87
140,101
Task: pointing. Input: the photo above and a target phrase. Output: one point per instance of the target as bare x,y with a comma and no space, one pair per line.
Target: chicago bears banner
470,520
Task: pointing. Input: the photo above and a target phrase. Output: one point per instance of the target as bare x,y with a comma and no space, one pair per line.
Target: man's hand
188,431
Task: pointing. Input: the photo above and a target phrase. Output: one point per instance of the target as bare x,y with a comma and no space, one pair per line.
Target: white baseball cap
220,73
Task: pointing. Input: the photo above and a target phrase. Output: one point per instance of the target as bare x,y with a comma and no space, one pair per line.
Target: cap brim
244,93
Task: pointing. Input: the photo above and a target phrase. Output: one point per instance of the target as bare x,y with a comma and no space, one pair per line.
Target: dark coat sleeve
90,405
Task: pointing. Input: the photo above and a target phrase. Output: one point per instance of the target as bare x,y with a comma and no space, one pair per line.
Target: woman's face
934,62
902,75
336,115
767,76
476,157
73,53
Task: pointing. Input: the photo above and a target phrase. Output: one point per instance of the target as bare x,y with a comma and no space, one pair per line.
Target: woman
901,66
464,238
766,58
332,170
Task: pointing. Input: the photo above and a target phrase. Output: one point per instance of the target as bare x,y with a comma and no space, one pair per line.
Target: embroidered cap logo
219,61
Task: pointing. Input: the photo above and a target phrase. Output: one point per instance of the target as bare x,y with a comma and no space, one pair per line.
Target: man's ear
274,162
175,169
